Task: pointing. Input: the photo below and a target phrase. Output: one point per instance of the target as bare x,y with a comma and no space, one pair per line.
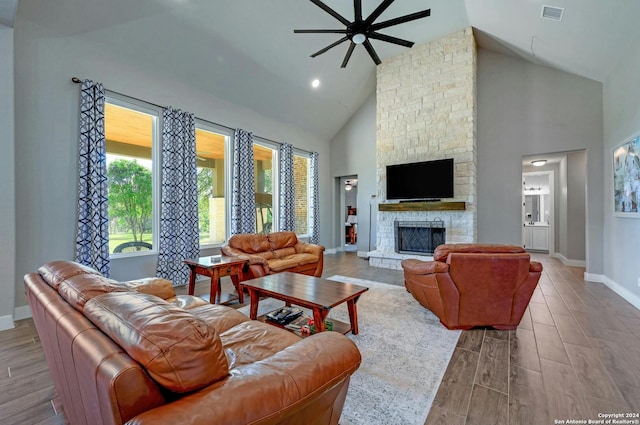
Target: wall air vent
552,12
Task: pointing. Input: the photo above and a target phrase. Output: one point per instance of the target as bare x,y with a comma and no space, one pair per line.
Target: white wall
47,116
576,203
621,121
353,151
525,109
7,178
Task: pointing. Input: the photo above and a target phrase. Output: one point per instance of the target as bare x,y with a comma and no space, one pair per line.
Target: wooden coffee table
227,266
319,295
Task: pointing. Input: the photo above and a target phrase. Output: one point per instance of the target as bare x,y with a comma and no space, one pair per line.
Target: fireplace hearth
418,237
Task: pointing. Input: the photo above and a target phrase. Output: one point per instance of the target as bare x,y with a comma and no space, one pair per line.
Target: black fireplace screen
418,237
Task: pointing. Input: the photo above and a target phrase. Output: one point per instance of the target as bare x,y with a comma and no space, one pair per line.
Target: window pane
263,168
129,137
301,183
210,148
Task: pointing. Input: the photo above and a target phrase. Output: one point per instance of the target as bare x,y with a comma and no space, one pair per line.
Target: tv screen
420,180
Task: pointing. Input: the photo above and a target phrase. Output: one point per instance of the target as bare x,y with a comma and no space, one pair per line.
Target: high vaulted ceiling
245,51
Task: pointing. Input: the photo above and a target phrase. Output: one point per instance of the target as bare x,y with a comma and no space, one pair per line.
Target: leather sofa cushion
251,243
56,272
295,260
252,341
221,317
179,350
80,288
284,252
187,302
285,239
442,251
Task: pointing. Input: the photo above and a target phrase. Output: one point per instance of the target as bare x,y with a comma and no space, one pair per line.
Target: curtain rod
79,81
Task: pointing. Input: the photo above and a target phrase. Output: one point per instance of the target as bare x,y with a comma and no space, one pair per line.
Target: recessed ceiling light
315,83
539,162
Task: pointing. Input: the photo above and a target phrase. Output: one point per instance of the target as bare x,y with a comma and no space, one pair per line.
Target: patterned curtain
243,198
92,235
287,189
315,200
179,238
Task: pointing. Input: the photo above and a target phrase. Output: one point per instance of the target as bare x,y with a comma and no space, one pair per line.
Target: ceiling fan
361,30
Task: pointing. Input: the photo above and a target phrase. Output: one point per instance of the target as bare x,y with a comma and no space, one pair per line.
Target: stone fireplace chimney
426,110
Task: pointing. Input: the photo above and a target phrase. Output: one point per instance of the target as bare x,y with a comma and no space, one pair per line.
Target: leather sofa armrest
283,383
535,267
157,286
309,248
424,267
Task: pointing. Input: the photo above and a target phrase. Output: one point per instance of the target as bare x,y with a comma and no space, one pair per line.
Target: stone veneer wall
426,110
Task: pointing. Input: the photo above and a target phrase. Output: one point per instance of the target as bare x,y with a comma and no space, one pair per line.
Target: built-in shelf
424,206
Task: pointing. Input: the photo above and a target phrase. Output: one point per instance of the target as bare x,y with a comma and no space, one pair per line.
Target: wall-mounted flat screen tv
427,180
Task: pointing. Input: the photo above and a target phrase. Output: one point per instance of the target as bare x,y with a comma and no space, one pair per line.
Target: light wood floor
575,354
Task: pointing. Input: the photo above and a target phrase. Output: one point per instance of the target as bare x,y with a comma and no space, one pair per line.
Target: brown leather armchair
275,252
470,285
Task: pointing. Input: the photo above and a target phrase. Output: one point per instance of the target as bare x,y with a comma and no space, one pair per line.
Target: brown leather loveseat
468,285
136,353
275,252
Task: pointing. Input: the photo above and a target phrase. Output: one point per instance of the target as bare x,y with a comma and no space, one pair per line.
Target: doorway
349,201
538,229
564,209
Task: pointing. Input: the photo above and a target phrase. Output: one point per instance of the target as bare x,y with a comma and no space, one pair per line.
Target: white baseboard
332,250
570,263
592,277
632,298
22,312
6,322
363,254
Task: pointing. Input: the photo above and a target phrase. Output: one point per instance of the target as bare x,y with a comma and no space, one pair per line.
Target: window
131,134
302,181
210,153
133,175
264,157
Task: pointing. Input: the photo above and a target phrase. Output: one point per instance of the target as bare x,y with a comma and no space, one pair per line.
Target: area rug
405,352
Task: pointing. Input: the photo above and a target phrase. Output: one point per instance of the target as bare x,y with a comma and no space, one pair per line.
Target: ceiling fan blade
381,8
400,20
372,52
331,46
357,8
390,39
348,55
331,12
320,31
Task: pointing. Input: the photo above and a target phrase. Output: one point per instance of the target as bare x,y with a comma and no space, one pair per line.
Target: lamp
539,162
347,186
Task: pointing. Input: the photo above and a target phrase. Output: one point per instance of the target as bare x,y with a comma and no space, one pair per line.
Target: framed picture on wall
626,178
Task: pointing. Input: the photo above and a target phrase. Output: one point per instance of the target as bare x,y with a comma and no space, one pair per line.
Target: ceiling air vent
552,12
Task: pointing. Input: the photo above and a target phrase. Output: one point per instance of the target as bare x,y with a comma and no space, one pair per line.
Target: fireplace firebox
419,237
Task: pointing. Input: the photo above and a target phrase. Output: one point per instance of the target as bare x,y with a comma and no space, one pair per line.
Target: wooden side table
227,266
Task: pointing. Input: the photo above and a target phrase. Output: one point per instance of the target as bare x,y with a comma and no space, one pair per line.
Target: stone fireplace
426,110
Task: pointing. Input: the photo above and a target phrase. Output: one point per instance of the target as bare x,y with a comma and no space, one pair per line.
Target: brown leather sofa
469,285
136,353
275,252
